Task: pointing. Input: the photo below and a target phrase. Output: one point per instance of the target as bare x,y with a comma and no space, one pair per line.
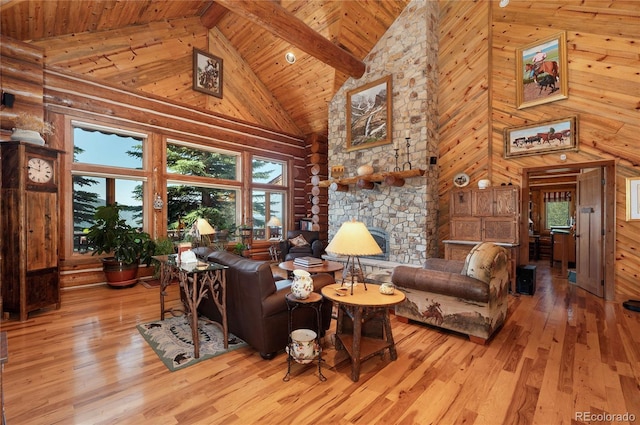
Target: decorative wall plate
461,180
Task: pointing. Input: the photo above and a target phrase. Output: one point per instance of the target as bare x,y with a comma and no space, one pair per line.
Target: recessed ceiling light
290,57
504,3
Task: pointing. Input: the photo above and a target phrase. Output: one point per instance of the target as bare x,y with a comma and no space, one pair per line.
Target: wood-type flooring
563,357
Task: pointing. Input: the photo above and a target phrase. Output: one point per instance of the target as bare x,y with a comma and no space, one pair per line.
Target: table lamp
274,224
203,230
353,240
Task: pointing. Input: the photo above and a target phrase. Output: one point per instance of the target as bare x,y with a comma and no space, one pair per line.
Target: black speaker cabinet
526,280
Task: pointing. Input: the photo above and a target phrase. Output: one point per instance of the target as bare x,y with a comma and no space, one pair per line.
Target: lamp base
353,271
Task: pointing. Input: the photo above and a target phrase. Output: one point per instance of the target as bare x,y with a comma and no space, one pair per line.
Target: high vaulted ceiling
147,45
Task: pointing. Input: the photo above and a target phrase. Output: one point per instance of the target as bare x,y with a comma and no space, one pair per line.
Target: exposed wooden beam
277,20
214,13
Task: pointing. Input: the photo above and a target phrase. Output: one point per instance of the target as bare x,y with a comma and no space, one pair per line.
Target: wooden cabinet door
505,200
42,224
482,203
460,203
466,229
499,229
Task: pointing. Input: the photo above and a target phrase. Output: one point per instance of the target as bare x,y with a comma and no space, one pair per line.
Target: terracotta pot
119,274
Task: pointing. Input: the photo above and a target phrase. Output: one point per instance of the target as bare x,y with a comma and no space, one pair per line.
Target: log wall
604,93
21,74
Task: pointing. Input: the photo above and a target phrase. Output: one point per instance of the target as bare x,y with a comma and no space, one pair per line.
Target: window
557,209
203,183
267,197
107,168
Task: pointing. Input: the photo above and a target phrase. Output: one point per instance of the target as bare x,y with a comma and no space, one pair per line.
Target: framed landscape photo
369,115
633,199
207,73
540,138
541,71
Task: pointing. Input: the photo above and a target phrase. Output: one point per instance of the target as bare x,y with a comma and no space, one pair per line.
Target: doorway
594,276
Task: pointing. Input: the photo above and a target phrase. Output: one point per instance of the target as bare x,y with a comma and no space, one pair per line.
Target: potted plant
112,235
31,128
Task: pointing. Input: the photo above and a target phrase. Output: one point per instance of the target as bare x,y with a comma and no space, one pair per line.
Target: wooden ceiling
330,39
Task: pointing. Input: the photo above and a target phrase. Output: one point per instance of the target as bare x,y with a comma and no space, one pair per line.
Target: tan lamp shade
353,239
204,228
274,222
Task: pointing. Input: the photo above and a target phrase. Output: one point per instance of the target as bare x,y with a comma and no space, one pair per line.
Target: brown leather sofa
256,307
469,297
314,249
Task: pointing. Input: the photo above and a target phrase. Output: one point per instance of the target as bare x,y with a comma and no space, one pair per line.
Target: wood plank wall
156,58
463,99
604,92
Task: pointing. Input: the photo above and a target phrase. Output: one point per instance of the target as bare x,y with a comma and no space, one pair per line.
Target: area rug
172,342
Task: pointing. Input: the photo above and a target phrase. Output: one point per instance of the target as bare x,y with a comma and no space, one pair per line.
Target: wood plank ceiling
329,37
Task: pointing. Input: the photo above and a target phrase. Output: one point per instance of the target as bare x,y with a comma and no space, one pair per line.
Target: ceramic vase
304,347
302,284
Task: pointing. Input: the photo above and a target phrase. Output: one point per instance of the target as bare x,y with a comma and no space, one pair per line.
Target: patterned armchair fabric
469,297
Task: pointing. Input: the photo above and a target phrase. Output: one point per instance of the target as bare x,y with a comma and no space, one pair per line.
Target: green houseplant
111,234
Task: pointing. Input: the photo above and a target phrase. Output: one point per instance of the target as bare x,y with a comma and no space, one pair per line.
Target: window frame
103,171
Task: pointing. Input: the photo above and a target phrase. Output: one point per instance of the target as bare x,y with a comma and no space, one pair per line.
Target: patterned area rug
171,340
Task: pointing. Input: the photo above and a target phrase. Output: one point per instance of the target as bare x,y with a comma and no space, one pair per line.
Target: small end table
362,307
313,301
195,279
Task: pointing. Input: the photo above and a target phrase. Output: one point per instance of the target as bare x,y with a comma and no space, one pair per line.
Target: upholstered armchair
469,297
301,243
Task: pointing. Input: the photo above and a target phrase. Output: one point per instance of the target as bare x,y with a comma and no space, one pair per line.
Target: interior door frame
608,209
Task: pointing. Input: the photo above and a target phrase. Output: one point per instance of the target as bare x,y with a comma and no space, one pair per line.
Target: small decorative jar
302,284
387,288
364,170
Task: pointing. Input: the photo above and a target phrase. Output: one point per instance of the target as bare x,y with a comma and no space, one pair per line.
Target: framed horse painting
541,71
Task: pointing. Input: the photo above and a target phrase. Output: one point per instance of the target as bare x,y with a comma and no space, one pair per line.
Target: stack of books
307,261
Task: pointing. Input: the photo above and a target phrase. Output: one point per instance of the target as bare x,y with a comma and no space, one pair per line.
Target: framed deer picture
207,73
541,72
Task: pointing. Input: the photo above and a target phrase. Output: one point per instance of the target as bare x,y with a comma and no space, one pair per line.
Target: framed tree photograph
540,138
207,73
633,199
541,71
369,113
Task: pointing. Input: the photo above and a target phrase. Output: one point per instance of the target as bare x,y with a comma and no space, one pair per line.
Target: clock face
40,170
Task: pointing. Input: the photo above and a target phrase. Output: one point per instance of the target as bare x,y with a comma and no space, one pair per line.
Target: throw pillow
299,241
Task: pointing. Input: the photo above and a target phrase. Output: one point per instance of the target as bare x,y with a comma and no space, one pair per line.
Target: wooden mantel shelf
393,178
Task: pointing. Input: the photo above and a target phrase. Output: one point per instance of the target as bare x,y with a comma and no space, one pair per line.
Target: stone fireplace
403,217
382,239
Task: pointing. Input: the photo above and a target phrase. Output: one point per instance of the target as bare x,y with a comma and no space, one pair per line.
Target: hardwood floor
562,351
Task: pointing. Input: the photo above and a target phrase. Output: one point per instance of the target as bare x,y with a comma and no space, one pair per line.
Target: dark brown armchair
315,247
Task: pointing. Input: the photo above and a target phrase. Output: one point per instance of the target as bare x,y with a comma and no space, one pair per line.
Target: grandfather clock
29,226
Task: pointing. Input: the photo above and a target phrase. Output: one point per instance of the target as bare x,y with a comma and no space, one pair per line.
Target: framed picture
369,115
306,224
540,138
633,199
207,73
541,72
